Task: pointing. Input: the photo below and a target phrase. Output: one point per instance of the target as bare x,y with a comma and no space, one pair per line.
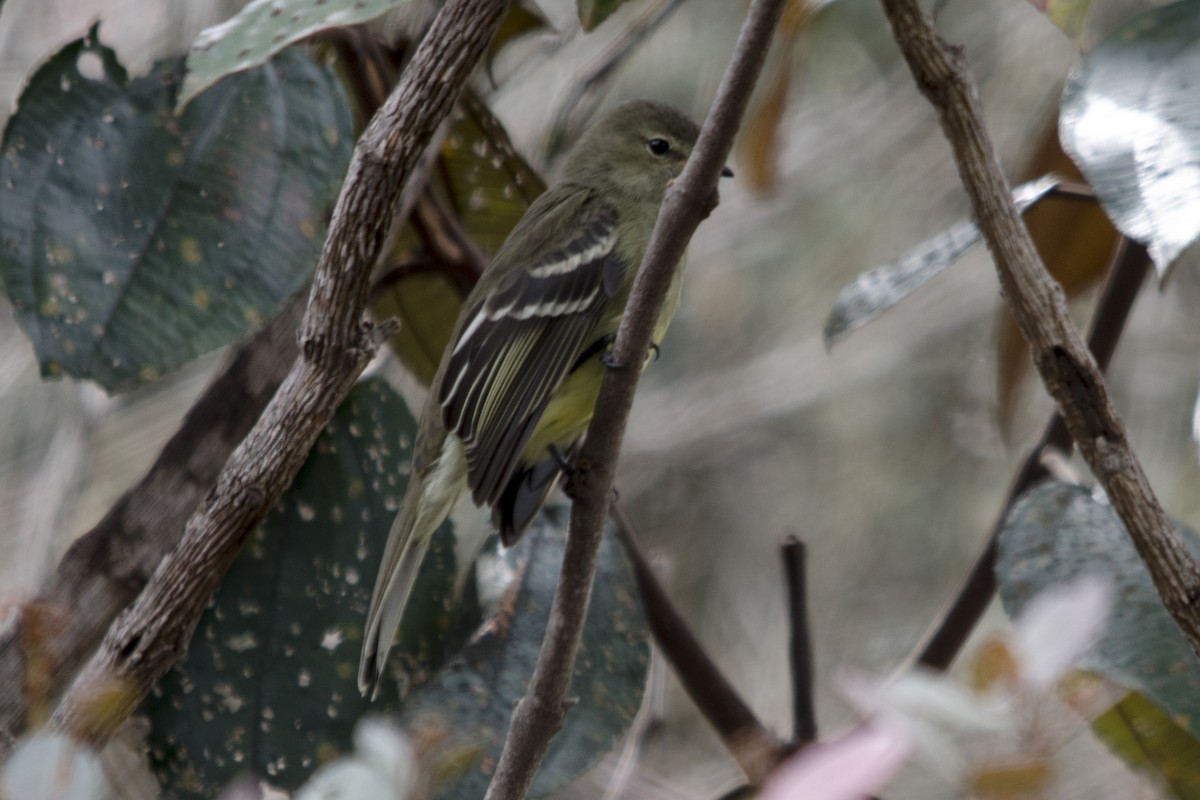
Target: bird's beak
726,172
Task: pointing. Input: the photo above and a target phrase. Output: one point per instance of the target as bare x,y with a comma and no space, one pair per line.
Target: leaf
761,140
1009,780
1059,533
1147,739
50,766
856,765
470,701
269,682
1058,626
132,240
1069,16
876,291
264,28
593,12
482,188
1126,119
521,20
383,767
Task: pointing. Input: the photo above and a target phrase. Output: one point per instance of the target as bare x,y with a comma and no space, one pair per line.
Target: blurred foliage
1060,532
593,12
1121,123
1151,741
135,240
759,144
479,188
1070,16
877,290
51,766
468,704
269,682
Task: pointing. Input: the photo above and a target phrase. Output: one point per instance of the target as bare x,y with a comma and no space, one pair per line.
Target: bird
518,382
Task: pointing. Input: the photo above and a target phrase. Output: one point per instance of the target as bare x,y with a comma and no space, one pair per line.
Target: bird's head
639,148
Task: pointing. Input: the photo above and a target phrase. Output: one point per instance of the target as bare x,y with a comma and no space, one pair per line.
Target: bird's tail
427,501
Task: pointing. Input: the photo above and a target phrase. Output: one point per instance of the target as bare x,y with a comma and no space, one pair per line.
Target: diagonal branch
540,713
949,632
103,570
1036,300
335,344
752,745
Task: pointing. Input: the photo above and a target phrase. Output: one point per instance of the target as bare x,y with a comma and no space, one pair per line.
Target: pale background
884,454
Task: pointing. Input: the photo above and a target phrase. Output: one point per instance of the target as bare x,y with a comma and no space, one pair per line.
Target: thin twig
800,653
573,112
539,715
1039,308
949,632
744,736
335,345
1070,190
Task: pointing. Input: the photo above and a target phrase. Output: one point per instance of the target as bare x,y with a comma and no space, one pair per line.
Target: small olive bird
518,382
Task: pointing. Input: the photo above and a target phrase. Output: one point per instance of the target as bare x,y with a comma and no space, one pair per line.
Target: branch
755,748
335,345
1036,300
540,713
103,570
950,631
804,715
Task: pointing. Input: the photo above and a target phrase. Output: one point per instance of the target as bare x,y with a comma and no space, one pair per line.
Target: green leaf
485,186
132,240
468,703
593,12
1059,532
269,682
1146,738
1126,121
264,28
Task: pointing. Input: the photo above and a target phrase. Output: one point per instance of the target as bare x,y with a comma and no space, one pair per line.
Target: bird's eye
658,146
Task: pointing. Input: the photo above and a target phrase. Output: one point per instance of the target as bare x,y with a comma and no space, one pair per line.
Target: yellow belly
568,413
570,409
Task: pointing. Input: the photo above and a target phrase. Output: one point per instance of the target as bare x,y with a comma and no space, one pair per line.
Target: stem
950,631
754,748
1036,301
804,715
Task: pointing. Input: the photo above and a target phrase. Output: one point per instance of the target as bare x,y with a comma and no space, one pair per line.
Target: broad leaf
132,240
269,682
1059,533
1128,119
469,703
877,290
262,29
1153,743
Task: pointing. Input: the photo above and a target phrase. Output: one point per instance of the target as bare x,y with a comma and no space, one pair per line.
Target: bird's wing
519,342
